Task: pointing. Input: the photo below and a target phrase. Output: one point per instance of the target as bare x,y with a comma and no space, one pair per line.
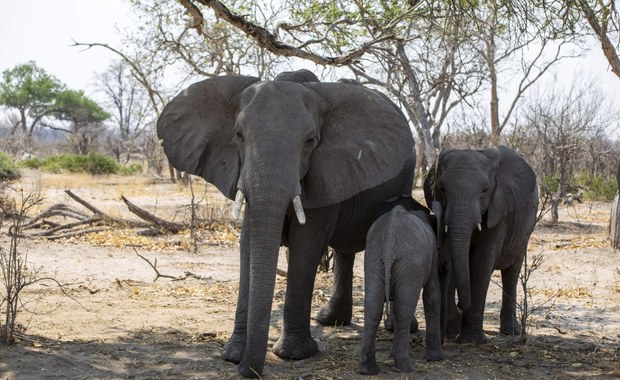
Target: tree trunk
614,229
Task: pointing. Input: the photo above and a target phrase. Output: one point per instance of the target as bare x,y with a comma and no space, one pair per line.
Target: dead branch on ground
63,221
158,274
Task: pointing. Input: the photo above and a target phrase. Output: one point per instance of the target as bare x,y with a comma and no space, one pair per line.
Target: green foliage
549,184
597,187
131,169
28,87
75,106
8,169
594,188
92,163
36,94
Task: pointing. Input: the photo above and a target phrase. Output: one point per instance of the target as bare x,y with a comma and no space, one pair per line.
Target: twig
78,233
154,266
158,274
68,226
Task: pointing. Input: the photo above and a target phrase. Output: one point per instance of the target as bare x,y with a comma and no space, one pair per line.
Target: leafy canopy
28,87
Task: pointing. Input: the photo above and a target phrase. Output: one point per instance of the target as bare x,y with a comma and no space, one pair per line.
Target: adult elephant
486,201
313,161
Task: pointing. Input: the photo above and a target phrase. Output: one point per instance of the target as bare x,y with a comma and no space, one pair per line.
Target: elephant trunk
269,188
459,238
459,245
266,220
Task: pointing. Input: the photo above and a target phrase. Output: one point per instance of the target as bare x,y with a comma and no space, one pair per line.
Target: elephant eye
239,136
310,142
484,191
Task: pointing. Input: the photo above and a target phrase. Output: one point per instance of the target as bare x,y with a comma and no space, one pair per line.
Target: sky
44,30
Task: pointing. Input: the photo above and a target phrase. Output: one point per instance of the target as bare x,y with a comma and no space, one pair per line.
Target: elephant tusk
479,227
446,229
236,210
299,210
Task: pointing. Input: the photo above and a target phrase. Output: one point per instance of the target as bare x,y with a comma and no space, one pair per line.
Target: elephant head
275,141
475,191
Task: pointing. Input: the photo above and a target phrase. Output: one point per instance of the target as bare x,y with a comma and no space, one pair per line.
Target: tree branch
608,47
269,41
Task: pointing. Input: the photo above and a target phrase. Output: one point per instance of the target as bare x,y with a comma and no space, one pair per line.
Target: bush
597,187
92,163
131,169
8,169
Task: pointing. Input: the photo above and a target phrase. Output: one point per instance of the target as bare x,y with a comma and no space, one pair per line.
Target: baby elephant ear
195,129
515,184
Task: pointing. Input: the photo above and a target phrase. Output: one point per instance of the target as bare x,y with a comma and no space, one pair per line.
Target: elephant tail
388,258
388,282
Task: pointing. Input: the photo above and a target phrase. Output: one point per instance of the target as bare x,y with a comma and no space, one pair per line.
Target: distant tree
129,107
502,36
78,116
31,91
564,123
173,48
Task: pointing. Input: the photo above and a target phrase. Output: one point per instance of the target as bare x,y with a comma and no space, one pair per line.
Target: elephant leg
432,314
481,268
306,246
454,317
389,322
509,324
338,310
405,300
233,349
374,295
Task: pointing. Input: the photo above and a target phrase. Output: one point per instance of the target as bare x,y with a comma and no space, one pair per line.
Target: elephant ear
430,186
515,183
195,129
364,141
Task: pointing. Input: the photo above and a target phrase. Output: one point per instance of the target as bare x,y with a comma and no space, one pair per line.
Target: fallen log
107,218
159,223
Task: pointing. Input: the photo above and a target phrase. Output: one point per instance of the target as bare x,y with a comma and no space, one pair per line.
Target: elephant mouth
297,206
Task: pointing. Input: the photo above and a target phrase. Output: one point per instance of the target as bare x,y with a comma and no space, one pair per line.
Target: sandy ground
113,321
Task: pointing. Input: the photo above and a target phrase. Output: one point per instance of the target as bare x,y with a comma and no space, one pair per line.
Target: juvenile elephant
313,162
488,199
400,260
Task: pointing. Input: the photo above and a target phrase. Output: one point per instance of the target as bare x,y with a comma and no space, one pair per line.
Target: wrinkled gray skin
400,259
494,189
343,149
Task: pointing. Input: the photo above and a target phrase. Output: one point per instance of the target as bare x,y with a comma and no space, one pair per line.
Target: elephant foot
435,355
510,328
335,314
403,365
233,349
295,347
471,337
249,372
368,365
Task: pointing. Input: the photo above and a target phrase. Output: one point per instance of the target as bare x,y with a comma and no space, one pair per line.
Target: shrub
95,163
131,169
8,169
92,163
597,187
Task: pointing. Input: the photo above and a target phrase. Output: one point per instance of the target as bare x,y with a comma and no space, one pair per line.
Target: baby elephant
400,260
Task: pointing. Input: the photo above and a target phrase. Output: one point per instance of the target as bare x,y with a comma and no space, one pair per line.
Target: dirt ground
113,321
